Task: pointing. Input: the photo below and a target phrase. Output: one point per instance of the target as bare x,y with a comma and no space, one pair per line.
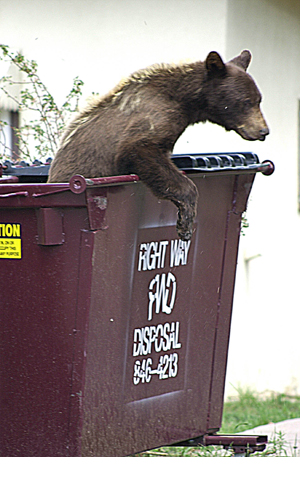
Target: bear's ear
215,65
243,60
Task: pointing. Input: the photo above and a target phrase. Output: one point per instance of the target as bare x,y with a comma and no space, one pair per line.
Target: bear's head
232,97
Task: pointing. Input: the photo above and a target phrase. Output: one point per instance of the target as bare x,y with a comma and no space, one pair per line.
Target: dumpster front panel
38,314
154,319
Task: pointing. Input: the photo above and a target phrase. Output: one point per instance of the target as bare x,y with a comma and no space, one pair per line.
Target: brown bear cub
133,129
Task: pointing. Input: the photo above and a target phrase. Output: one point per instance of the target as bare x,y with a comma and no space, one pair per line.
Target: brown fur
133,128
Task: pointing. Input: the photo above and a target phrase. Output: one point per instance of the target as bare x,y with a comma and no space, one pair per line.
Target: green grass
245,412
250,410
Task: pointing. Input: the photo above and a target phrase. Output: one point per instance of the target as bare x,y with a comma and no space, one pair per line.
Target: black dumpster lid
37,172
227,161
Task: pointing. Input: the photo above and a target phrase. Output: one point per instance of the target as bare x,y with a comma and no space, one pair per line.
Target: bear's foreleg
155,168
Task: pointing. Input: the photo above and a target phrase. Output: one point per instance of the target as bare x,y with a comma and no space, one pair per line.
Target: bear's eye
247,104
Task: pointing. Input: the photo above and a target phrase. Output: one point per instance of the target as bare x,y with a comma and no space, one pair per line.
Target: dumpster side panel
154,312
38,312
243,184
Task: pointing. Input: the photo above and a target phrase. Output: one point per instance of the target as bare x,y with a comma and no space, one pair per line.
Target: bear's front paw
184,234
184,227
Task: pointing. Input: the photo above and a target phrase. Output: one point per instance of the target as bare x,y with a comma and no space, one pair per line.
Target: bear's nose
264,132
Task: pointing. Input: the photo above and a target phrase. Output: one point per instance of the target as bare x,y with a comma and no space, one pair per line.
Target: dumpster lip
206,164
9,186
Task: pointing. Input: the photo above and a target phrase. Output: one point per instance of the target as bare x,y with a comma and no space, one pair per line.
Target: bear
133,129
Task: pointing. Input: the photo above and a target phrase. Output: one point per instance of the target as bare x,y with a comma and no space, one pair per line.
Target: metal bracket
241,445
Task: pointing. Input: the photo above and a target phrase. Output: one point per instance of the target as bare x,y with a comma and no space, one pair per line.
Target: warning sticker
10,241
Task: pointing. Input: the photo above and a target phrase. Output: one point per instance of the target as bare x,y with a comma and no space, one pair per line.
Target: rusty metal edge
238,443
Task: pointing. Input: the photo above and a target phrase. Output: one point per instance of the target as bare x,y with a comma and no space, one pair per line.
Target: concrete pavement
286,435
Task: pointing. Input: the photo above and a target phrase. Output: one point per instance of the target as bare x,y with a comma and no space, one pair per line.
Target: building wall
102,41
264,347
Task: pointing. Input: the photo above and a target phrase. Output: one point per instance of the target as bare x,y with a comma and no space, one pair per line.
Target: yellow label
10,247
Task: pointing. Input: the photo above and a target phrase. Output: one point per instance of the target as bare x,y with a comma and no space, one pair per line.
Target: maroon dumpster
114,333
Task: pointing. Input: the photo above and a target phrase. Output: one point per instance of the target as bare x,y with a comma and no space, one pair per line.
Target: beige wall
102,41
264,347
